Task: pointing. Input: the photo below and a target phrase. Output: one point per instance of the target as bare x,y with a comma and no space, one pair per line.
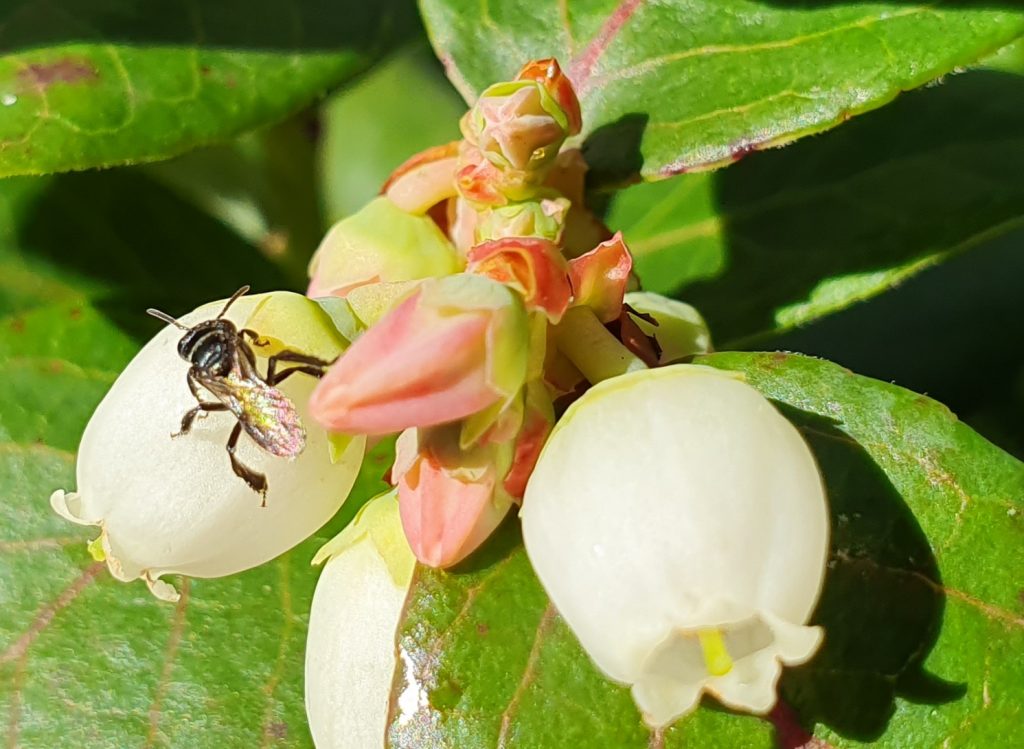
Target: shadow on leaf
613,153
303,25
788,235
882,604
123,242
920,178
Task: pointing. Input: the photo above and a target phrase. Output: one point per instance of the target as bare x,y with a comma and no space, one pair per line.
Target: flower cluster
465,304
480,312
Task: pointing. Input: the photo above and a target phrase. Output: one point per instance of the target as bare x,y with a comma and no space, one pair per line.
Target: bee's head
210,345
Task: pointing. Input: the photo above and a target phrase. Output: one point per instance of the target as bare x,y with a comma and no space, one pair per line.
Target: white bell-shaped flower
679,524
350,649
173,504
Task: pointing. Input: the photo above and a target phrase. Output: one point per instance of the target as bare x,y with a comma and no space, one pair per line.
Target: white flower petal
173,504
350,649
673,508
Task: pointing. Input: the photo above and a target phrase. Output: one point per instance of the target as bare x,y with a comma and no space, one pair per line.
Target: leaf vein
710,50
288,614
170,653
48,612
35,544
547,619
582,67
17,448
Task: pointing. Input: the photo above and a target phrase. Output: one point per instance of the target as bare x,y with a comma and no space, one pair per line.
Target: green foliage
118,238
676,86
88,661
105,83
798,233
922,602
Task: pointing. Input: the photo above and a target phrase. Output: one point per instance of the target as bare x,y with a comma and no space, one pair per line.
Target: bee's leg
190,416
248,354
257,340
193,385
298,358
256,481
276,377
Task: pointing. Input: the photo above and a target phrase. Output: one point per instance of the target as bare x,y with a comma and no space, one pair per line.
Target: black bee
223,363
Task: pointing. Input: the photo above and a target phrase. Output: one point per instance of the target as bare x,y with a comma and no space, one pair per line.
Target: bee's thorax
210,346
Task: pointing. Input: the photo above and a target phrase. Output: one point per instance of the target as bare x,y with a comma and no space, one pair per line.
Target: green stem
596,353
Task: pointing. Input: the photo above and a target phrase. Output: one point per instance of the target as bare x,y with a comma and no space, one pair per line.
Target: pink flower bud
517,124
550,75
478,180
534,267
452,495
456,346
599,278
448,503
463,218
424,180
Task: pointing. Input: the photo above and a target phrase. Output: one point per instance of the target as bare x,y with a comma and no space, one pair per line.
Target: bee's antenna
165,317
241,292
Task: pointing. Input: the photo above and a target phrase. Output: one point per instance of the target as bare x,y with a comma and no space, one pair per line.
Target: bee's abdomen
271,419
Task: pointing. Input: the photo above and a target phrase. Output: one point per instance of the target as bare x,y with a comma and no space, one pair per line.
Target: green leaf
1010,58
88,661
789,236
922,603
675,86
105,83
121,240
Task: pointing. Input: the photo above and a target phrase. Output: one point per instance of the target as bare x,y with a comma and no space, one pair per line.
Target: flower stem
596,353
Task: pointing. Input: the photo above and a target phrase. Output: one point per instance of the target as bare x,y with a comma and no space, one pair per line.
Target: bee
224,365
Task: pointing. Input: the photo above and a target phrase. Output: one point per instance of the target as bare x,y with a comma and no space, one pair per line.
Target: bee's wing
270,418
224,390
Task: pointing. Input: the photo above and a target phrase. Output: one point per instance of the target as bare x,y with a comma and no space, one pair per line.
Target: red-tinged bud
599,278
548,73
478,182
448,499
568,175
484,183
458,345
424,180
517,125
538,420
532,266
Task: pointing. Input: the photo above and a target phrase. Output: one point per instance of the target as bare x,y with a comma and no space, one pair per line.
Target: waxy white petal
173,504
679,524
350,649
